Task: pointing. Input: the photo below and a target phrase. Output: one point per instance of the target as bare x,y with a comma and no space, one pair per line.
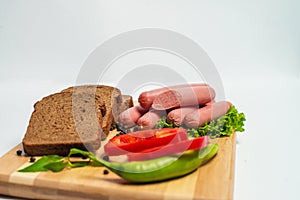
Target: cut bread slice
62,121
111,97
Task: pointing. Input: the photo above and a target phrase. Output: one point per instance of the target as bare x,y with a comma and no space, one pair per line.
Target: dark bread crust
62,121
62,149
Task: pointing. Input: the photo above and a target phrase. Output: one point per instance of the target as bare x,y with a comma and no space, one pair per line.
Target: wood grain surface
214,180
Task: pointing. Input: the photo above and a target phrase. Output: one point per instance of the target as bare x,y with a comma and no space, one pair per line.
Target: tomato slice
142,140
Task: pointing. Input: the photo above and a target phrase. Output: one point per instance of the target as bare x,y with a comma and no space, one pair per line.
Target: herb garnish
223,126
57,163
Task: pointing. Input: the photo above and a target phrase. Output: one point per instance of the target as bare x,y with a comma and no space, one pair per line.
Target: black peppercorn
106,158
105,172
32,159
19,152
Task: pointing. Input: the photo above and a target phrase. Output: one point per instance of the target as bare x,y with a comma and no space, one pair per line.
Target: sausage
149,119
146,98
129,117
211,102
206,114
185,96
177,115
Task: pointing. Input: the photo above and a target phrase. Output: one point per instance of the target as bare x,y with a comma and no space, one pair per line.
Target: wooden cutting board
214,180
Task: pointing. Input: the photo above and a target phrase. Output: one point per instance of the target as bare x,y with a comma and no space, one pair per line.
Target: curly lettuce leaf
162,123
223,126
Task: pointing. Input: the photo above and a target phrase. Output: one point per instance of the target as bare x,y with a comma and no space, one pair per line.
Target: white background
255,46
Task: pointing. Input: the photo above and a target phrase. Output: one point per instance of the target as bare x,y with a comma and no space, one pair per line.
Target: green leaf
56,166
223,126
91,156
40,165
80,164
162,123
74,151
57,163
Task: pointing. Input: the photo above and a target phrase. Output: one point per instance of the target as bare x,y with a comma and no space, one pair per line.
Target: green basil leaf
80,164
56,166
91,156
78,151
39,165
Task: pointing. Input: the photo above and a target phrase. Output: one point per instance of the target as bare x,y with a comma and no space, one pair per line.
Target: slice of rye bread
111,97
62,121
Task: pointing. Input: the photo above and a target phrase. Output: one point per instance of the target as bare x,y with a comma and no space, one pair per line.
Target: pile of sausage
191,105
